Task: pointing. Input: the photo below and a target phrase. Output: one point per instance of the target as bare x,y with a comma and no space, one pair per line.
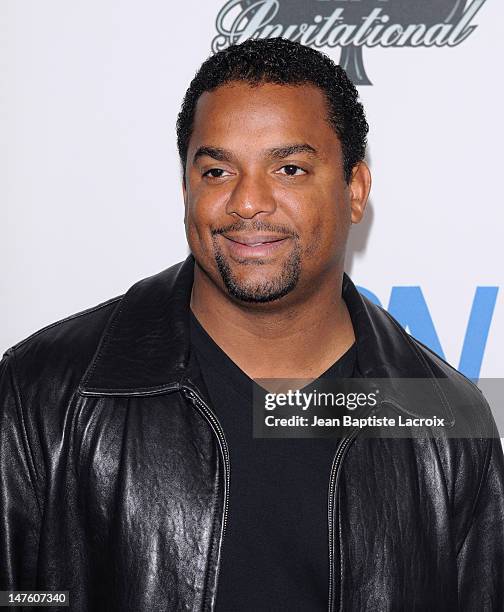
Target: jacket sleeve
19,507
481,555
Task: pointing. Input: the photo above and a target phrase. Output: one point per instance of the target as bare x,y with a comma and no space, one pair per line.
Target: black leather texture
114,471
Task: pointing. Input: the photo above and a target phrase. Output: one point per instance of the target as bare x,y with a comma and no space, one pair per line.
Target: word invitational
348,24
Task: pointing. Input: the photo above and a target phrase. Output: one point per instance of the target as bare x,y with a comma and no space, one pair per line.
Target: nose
251,195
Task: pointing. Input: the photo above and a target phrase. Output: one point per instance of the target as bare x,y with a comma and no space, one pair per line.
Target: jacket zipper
224,450
333,481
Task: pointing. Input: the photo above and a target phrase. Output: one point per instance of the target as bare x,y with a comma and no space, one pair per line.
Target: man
130,476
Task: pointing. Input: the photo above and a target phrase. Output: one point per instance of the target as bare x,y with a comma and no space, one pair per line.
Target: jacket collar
145,349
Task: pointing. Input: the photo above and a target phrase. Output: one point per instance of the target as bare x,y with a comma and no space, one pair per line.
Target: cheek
206,207
328,228
202,214
198,215
195,226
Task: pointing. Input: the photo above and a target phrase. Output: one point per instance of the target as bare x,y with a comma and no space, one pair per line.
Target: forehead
239,115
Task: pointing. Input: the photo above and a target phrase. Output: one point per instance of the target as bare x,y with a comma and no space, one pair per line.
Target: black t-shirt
275,552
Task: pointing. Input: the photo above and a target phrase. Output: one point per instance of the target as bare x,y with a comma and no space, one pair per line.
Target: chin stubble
267,290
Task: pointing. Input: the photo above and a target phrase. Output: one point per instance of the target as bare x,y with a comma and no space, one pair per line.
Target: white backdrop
90,184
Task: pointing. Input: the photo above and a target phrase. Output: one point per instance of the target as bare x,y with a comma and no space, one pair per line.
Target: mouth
246,246
254,239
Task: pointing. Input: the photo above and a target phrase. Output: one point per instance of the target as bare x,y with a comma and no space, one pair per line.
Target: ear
359,187
184,190
184,195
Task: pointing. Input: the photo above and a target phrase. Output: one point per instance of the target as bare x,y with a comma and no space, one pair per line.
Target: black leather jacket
115,471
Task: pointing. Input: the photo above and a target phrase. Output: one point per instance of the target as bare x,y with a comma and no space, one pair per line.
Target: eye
292,170
215,173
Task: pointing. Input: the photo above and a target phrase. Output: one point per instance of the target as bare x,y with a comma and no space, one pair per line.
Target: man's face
267,208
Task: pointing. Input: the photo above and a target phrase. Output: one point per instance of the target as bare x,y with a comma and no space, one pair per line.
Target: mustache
255,226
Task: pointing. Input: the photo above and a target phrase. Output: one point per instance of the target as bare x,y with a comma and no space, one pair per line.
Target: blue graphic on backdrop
408,306
348,24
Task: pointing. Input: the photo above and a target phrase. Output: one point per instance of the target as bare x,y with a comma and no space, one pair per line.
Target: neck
289,338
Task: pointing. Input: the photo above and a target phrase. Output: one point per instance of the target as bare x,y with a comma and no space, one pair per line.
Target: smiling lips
254,245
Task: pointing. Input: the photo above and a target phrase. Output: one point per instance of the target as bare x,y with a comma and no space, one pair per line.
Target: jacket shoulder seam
421,358
406,337
452,368
65,320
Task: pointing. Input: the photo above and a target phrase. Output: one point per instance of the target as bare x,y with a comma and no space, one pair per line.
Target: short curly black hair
281,61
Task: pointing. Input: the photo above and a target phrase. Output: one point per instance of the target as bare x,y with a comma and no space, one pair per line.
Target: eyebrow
214,152
275,153
291,149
